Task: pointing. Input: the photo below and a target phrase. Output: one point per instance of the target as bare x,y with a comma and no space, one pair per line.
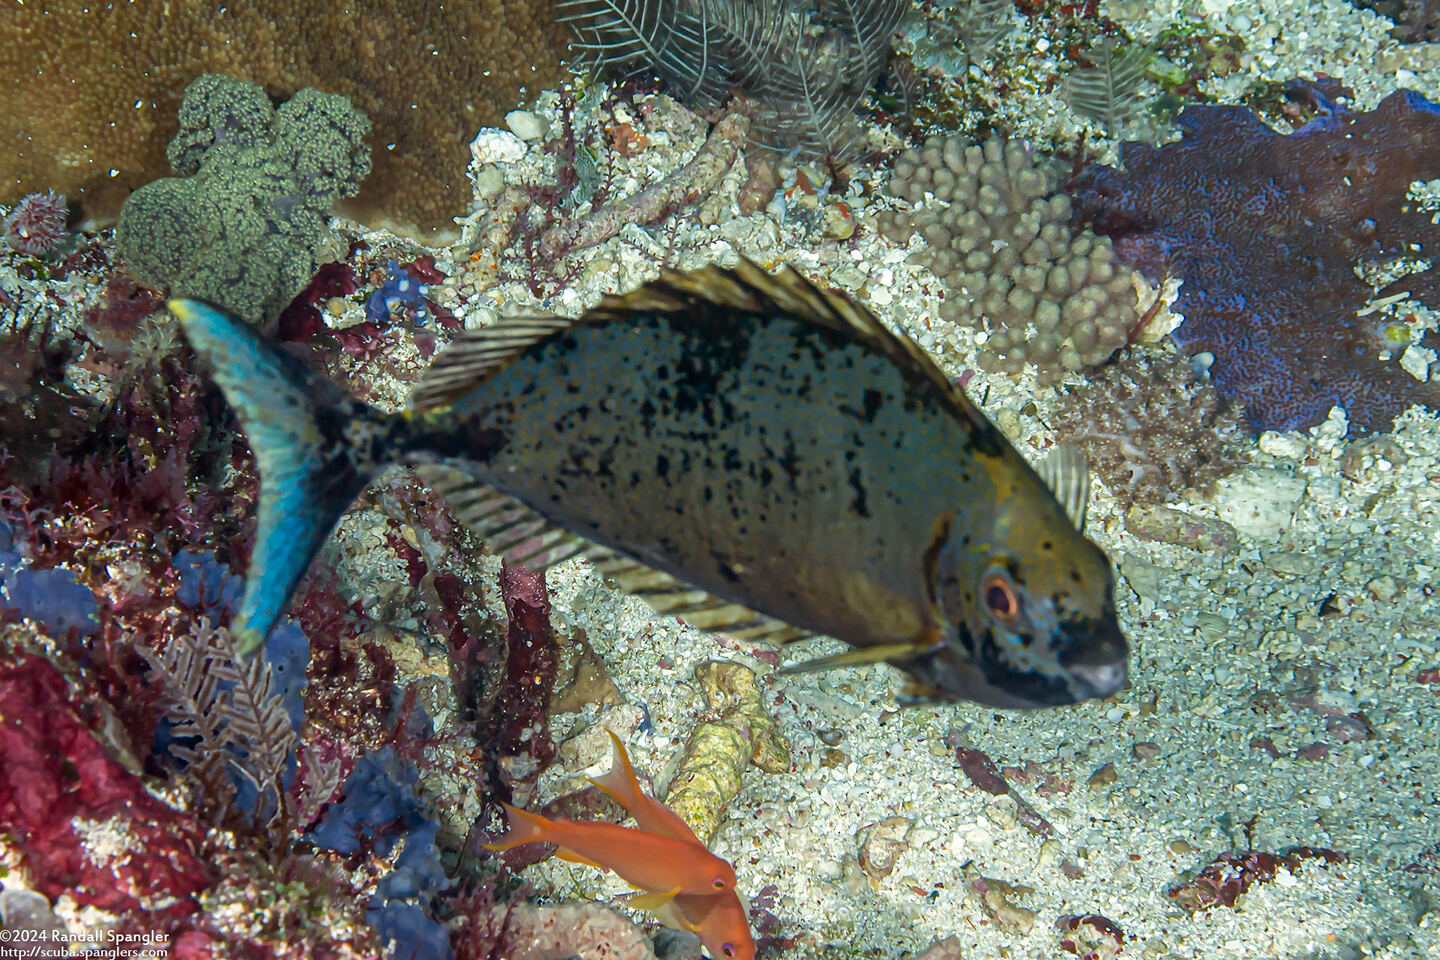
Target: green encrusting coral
244,225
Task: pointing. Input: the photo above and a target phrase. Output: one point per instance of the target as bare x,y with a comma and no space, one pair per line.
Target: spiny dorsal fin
522,535
1066,473
748,288
476,355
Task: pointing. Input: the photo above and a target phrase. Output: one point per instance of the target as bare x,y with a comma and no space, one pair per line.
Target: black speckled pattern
763,458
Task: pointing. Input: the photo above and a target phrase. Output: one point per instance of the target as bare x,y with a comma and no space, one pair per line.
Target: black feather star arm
805,65
196,708
257,722
1109,92
224,713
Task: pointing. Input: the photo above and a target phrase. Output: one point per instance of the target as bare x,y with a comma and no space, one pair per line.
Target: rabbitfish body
776,447
745,451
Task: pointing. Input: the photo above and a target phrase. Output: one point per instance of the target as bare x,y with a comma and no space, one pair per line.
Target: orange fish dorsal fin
650,814
620,783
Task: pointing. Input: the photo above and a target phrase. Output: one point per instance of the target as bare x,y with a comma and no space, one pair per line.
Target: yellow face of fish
1027,608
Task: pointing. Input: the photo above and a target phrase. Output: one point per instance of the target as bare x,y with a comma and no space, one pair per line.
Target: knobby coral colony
1052,296
1266,230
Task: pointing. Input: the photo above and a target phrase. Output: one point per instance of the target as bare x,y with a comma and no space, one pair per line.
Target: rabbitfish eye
1000,597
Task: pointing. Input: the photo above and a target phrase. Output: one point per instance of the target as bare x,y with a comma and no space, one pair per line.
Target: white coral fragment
493,145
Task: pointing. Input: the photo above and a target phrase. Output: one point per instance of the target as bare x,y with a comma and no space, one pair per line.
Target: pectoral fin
653,900
571,856
859,657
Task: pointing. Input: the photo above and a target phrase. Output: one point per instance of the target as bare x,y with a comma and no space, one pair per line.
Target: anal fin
522,535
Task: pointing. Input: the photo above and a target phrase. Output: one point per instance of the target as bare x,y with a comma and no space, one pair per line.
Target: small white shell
494,145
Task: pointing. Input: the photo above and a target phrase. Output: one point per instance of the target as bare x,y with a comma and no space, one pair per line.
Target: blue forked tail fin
316,448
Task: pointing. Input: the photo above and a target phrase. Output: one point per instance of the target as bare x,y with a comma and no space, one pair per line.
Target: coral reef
36,224
84,825
1151,428
683,187
805,66
569,201
999,236
92,90
1267,230
241,226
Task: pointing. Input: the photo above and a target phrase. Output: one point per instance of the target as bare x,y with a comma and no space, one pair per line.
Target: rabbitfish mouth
1097,669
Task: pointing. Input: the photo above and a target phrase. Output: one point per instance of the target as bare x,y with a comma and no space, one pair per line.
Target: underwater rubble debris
1090,936
1226,877
983,773
1266,230
994,897
719,751
691,182
539,220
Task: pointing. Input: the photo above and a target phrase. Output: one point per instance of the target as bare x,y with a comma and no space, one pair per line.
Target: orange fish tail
525,827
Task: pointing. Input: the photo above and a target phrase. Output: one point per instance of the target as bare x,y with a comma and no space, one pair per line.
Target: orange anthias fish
663,858
718,919
651,862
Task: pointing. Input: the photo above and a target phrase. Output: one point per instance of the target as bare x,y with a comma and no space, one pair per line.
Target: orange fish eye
728,949
1000,597
718,884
